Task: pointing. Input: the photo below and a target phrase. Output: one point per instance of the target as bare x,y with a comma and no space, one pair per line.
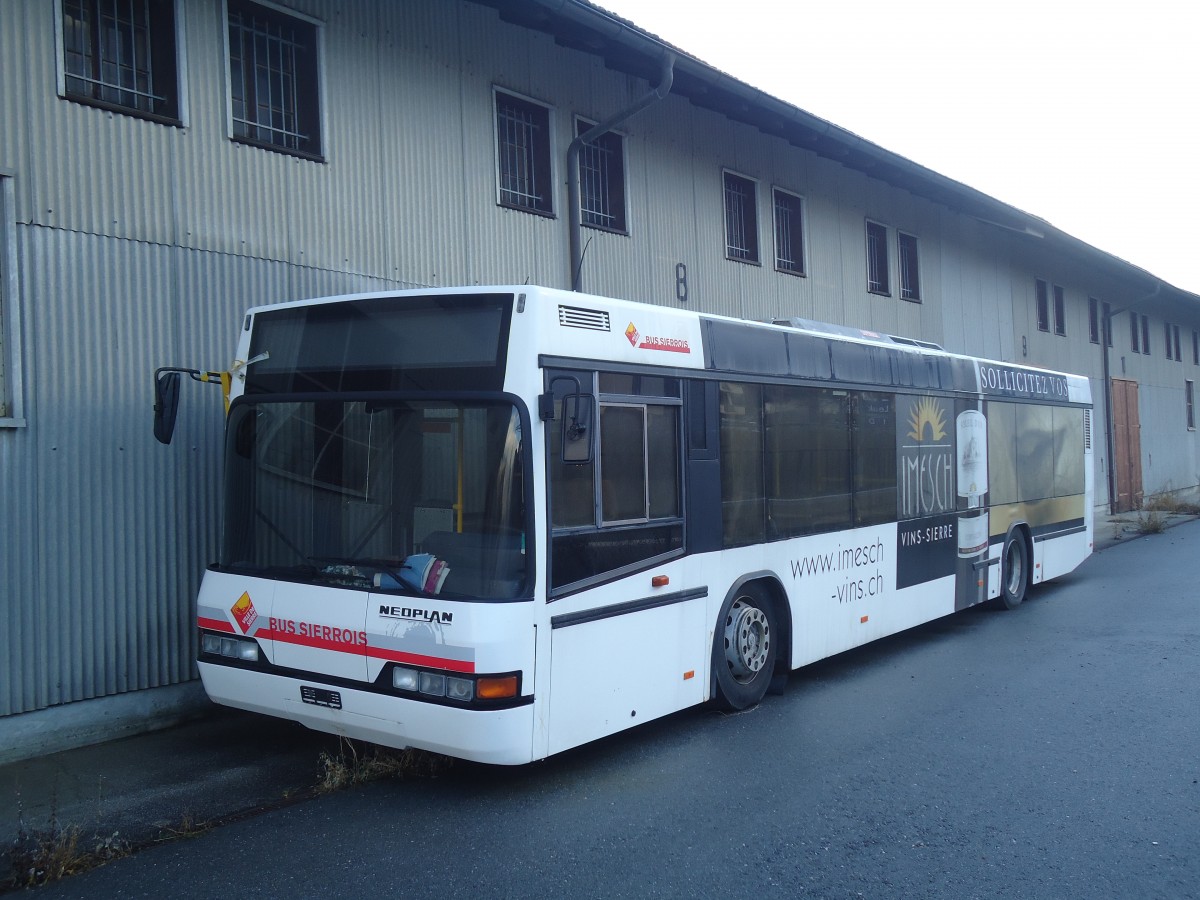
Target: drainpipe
575,214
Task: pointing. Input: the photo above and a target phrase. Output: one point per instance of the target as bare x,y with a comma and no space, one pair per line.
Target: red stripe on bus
416,659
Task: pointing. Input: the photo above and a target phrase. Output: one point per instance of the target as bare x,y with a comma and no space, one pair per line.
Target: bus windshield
417,497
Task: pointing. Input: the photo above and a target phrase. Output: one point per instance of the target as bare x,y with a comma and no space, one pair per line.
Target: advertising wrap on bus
497,523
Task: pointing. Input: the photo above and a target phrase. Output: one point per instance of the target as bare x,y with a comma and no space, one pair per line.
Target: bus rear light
497,688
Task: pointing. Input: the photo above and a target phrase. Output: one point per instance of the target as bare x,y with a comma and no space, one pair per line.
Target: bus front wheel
1014,571
744,648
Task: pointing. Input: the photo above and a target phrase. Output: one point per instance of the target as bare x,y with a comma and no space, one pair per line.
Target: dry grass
358,764
1157,508
1171,505
40,856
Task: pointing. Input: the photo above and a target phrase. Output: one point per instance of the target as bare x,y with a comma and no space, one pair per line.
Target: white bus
500,522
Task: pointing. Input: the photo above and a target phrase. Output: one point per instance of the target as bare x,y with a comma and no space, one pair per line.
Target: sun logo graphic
927,414
632,333
244,612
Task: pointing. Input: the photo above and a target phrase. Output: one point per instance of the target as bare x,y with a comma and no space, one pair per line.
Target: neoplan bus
500,522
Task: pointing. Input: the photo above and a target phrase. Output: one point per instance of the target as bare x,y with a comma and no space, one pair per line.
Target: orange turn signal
660,581
496,688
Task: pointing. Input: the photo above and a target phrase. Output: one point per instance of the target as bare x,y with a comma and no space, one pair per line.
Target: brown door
1127,449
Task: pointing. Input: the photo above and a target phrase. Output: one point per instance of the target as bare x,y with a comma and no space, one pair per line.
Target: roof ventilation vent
591,319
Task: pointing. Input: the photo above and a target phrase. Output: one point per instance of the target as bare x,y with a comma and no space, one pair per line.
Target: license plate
321,697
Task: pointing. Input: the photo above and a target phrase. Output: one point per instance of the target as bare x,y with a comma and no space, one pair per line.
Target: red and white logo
244,612
671,345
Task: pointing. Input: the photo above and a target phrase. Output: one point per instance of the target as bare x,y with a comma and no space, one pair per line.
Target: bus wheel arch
750,643
1016,567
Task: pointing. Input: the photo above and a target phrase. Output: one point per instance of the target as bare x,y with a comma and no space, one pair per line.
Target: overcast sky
1086,114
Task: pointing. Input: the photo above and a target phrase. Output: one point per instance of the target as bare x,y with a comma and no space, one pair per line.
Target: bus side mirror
577,414
166,404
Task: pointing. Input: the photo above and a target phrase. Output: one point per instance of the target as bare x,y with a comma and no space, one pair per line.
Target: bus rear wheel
744,648
1014,571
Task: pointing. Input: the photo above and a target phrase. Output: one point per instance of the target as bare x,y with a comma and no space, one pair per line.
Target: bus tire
1014,571
744,648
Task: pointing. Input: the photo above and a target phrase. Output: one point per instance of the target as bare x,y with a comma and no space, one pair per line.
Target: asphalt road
1049,752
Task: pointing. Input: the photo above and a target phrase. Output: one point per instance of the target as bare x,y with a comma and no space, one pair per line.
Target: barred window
273,79
1093,320
523,154
1042,294
602,180
121,53
910,274
878,277
789,233
1060,311
741,219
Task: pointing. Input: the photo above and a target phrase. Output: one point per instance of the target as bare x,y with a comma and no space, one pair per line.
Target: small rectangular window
1106,313
523,154
1042,294
1060,312
273,79
121,55
910,274
10,321
1167,334
1196,348
1190,399
1175,341
878,276
789,233
1135,341
1146,335
741,219
602,180
1093,320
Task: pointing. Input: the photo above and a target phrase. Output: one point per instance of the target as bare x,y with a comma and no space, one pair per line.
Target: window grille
878,278
523,153
910,275
273,78
1043,305
602,180
741,219
121,53
789,233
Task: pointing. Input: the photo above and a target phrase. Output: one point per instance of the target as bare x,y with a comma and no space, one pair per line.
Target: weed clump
39,856
351,765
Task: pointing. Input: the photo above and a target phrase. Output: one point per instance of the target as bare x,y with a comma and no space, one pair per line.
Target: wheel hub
747,640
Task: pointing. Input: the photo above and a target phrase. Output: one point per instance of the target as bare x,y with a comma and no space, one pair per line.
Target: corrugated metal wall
140,244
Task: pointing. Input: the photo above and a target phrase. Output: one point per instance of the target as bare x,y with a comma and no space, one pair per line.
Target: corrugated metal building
164,165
